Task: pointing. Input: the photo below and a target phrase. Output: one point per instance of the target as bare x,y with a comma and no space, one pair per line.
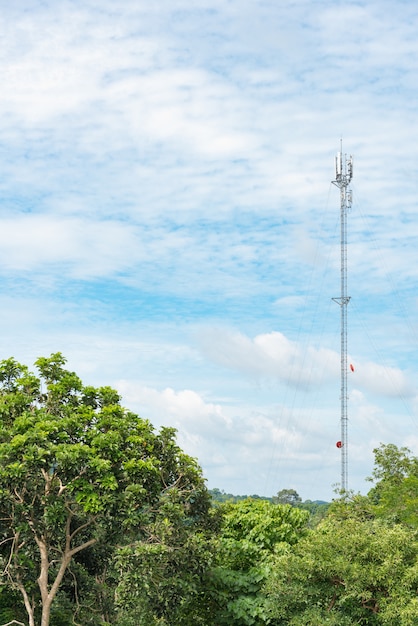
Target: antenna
344,174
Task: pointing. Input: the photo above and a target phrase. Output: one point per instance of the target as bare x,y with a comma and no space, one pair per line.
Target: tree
287,496
347,571
164,578
395,491
253,531
77,472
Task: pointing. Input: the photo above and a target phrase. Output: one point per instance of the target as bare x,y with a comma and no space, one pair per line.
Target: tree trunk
48,594
28,606
43,582
31,617
46,612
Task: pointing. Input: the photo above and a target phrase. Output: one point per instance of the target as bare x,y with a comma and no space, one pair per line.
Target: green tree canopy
77,471
345,572
287,496
253,531
395,490
163,579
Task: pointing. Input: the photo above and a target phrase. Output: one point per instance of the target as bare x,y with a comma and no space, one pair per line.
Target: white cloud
228,440
89,248
384,380
271,355
185,407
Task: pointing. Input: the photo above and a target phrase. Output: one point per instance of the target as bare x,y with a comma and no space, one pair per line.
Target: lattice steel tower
344,174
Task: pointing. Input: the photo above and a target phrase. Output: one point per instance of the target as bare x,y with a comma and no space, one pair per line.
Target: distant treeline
317,508
219,495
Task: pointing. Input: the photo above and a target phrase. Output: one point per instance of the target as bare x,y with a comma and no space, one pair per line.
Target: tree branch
80,528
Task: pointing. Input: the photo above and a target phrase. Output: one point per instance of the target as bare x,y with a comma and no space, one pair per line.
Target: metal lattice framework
344,174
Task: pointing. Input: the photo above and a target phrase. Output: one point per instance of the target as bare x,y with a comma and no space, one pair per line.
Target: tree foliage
253,531
360,564
395,490
163,578
287,496
347,571
77,472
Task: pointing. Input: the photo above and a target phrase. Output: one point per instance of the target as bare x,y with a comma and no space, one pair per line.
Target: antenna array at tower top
343,169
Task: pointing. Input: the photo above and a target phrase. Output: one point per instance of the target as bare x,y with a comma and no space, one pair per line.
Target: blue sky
169,224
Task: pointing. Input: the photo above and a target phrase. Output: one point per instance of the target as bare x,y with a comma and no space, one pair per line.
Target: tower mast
343,176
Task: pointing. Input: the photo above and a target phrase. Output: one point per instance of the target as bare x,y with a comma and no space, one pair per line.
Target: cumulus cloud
88,248
185,407
384,380
274,356
229,440
270,355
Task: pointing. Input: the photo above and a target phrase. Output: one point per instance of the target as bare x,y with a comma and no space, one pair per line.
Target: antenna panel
338,165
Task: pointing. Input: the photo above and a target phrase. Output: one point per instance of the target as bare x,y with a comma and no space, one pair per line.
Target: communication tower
343,176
